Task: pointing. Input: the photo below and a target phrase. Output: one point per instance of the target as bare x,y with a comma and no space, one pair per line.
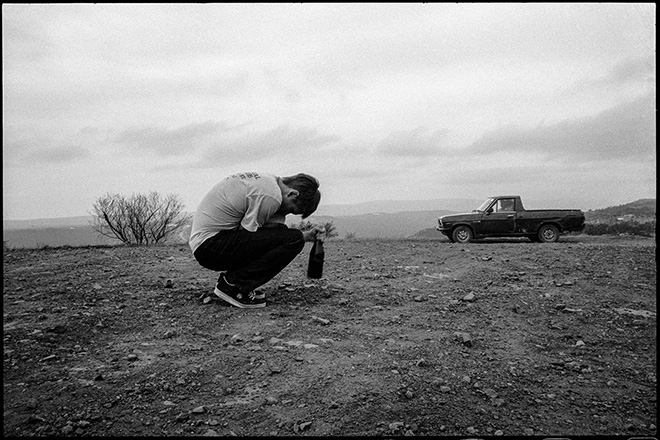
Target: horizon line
328,205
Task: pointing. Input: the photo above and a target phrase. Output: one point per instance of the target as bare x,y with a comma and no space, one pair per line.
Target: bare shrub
140,219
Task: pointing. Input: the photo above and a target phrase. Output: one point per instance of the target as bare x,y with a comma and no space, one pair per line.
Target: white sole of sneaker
223,296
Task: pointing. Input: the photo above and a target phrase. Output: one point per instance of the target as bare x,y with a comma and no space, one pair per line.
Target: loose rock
469,297
321,320
464,338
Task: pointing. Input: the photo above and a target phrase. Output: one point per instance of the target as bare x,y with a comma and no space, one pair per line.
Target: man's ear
293,193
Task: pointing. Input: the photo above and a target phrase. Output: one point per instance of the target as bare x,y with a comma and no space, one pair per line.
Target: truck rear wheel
548,234
462,234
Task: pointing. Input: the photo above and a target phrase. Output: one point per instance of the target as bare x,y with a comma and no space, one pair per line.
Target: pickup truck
505,216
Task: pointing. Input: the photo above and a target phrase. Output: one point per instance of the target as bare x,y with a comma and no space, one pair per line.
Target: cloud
417,142
58,155
283,141
630,76
21,147
171,142
625,131
444,37
633,70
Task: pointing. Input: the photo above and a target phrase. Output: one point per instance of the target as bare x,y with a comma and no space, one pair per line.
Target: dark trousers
251,259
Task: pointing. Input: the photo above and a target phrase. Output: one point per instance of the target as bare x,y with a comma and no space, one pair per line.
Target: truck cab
499,215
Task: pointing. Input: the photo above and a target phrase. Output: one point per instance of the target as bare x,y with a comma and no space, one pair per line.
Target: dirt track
400,338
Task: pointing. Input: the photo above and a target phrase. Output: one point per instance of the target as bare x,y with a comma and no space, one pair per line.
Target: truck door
501,220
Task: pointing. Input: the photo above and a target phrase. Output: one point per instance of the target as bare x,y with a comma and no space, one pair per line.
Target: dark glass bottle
316,256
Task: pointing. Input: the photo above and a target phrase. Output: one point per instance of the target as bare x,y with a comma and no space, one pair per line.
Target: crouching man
239,230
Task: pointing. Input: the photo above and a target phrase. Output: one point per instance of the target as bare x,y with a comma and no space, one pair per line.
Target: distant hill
391,220
394,206
41,237
39,223
374,225
428,233
382,225
339,210
642,209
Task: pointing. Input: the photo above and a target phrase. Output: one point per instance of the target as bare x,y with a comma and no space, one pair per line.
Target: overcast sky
378,101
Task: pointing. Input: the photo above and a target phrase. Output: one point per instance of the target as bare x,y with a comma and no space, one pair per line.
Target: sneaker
222,280
234,296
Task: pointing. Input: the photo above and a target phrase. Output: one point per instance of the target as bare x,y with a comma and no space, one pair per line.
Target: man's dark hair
309,195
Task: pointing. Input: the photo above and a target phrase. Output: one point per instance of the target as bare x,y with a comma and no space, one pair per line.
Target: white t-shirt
249,200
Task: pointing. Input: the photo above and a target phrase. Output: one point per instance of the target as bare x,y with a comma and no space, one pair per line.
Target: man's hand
314,233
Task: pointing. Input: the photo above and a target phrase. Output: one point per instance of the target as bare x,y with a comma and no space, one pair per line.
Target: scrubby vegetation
606,221
630,228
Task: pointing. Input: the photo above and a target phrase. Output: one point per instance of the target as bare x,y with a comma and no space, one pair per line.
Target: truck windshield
484,205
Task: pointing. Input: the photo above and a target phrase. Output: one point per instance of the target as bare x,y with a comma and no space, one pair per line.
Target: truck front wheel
548,234
462,234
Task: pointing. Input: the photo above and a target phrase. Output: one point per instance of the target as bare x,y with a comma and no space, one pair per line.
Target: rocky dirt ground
493,338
